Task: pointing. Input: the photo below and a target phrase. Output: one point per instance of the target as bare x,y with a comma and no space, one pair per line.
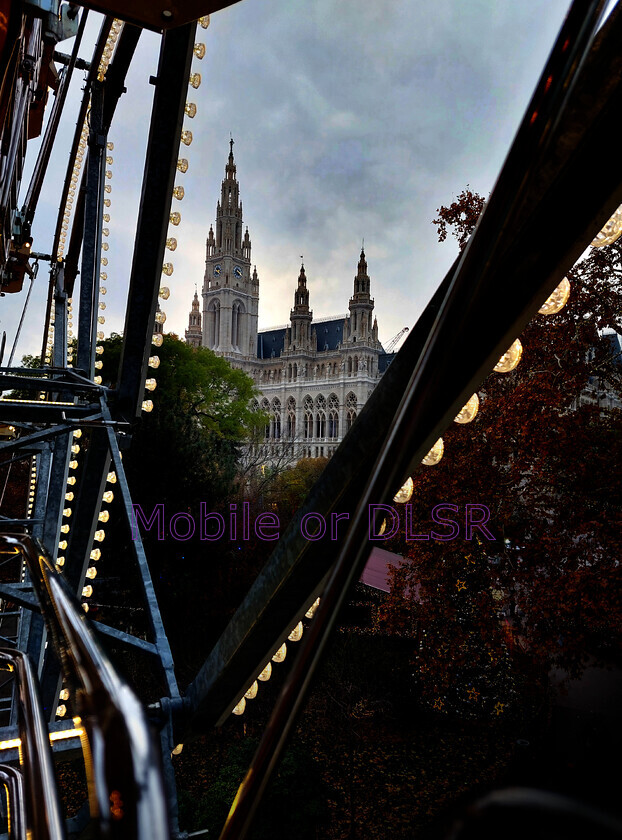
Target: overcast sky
350,120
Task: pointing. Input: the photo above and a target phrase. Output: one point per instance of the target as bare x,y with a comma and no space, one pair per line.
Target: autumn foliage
490,615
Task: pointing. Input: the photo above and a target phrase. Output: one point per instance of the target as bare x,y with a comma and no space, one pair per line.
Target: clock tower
230,291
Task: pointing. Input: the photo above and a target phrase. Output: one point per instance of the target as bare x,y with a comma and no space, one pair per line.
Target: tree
546,590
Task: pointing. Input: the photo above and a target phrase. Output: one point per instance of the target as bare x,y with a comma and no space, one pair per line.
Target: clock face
217,270
238,272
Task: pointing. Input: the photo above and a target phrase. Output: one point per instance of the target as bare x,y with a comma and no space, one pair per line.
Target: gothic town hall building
314,375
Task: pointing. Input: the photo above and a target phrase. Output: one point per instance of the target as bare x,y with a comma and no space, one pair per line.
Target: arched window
213,324
291,418
276,419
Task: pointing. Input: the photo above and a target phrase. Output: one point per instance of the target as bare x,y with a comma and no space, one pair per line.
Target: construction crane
395,340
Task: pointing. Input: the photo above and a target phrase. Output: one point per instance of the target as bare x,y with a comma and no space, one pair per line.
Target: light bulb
165,292
104,261
99,536
108,496
71,479
239,709
111,478
104,516
107,202
195,80
186,137
281,653
106,217
110,145
296,634
266,673
91,572
77,433
85,607
108,189
171,243
405,492
191,110
87,591
167,269
147,406
468,411
160,317
97,380
182,165
61,710
75,448
175,218
177,750
105,246
610,232
312,609
64,695
95,554
69,497
102,290
108,173
105,232
99,349
178,193
199,51
62,545
99,364
151,384
101,319
109,160
510,358
204,21
60,561
64,529
556,301
435,454
157,339
252,691
154,362
73,465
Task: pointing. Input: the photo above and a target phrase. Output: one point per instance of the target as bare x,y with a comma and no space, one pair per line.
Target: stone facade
314,375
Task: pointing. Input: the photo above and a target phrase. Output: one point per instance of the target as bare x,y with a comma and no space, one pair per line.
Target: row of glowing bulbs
98,536
190,110
507,363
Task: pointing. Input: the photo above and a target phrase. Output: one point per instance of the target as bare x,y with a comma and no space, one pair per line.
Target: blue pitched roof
329,334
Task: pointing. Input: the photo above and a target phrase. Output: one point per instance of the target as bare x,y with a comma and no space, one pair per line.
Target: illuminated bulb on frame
312,609
199,51
60,561
104,516
510,358
105,232
468,411
110,145
97,380
167,269
106,218
556,301
157,339
64,529
171,243
91,572
99,536
64,695
175,218
252,691
108,496
190,110
204,21
182,165
151,384
147,406
296,634
165,292
195,80
61,710
178,193
405,492
98,365
281,653
87,591
239,709
71,479
62,545
85,607
73,465
435,454
186,137
102,290
99,349
77,433
69,497
610,232
109,160
111,478
177,750
154,361
95,554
